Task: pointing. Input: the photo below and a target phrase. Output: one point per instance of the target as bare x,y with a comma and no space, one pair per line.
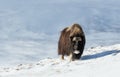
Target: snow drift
101,61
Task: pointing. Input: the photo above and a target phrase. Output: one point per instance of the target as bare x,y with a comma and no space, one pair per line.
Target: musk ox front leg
71,57
62,57
74,56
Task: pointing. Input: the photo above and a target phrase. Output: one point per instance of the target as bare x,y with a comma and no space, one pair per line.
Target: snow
29,32
100,61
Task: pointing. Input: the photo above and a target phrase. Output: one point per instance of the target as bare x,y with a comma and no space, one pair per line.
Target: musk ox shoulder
71,42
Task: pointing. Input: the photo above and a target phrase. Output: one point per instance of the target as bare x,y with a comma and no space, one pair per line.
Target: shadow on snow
102,54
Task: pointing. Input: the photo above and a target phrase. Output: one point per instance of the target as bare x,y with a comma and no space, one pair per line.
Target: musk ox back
71,42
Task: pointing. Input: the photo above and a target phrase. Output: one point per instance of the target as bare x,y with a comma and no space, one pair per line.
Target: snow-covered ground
101,61
29,32
29,29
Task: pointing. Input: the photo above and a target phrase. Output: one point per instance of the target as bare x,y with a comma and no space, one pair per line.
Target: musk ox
71,42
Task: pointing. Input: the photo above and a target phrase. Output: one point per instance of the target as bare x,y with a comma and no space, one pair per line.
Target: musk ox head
76,41
71,42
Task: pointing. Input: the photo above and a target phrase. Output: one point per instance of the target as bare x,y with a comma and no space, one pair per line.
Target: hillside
101,61
30,29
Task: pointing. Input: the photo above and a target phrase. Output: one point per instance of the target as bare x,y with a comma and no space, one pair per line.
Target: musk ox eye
78,39
71,38
74,42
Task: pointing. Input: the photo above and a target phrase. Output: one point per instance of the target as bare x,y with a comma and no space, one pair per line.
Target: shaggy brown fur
71,39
